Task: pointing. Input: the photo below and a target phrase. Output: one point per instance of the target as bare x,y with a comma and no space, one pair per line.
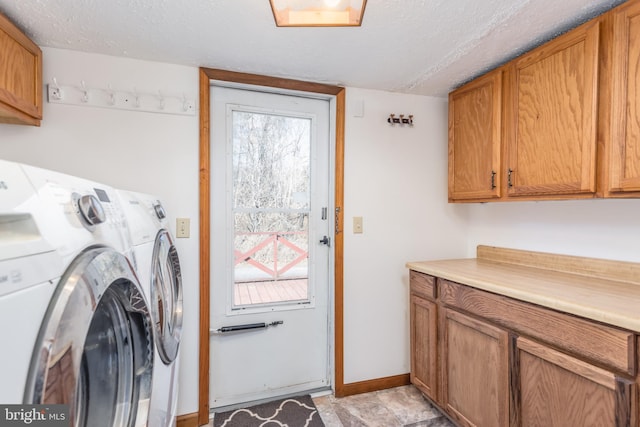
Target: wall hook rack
132,100
400,119
54,90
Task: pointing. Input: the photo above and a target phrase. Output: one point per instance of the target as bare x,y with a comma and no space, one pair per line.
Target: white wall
607,229
147,152
395,178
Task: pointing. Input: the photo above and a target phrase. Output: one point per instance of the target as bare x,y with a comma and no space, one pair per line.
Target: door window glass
271,206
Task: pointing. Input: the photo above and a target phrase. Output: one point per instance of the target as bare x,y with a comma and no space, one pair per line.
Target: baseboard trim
191,420
373,385
187,420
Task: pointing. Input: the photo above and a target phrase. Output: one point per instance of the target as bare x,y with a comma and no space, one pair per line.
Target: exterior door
270,246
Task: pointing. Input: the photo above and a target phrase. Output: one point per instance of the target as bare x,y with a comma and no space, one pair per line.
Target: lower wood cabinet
557,390
424,345
475,371
485,371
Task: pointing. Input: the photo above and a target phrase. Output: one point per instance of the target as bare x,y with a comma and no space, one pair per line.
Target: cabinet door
553,116
557,390
475,139
475,371
625,149
424,345
20,77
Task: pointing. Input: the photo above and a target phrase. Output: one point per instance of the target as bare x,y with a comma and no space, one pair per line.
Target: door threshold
316,392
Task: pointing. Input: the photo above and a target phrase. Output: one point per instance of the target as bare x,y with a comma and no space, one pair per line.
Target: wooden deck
263,292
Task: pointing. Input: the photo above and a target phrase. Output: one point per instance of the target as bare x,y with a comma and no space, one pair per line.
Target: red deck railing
274,239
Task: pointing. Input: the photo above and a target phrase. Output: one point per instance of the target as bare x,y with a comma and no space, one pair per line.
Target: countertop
601,290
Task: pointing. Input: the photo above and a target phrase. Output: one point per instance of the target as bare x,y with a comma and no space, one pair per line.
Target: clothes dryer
29,270
73,313
158,267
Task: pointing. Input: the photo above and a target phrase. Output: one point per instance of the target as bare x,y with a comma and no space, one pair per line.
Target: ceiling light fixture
318,13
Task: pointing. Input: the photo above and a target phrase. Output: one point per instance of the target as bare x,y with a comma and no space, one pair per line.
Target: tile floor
396,407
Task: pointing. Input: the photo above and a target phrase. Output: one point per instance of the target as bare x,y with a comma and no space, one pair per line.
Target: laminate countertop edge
612,302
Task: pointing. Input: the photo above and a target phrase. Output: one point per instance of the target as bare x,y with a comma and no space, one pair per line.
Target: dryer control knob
91,211
160,212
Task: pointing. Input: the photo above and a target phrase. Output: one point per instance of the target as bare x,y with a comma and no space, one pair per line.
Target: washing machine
156,261
75,325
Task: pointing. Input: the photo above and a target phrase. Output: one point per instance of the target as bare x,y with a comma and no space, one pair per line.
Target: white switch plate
183,227
357,225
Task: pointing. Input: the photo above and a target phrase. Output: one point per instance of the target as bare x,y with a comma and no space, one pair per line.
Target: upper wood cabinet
552,116
20,77
475,139
562,124
624,173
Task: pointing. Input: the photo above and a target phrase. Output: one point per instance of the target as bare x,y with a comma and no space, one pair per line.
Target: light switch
183,227
357,225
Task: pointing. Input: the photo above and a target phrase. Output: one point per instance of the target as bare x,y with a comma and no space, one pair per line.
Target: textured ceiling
424,47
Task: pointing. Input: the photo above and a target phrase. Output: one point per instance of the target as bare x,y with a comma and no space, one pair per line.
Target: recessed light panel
318,13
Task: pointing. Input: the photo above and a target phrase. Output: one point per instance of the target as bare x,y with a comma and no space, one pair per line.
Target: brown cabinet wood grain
475,139
424,345
488,360
606,345
422,285
624,172
552,110
557,390
475,371
558,122
20,77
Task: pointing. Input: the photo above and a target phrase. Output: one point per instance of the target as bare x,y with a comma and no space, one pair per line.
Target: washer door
95,347
166,297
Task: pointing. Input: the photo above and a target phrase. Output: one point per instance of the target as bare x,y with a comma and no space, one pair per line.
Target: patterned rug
297,411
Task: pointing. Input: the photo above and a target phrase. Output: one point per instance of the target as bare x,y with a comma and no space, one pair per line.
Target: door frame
206,75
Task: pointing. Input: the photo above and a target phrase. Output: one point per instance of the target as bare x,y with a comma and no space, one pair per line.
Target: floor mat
297,411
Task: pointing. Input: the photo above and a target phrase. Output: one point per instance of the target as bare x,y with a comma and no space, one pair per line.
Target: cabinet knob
509,182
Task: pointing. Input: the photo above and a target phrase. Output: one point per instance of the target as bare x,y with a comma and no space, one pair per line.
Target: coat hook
161,98
112,95
85,92
402,120
136,98
55,92
185,103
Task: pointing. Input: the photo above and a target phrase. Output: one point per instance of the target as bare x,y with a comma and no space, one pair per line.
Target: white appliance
156,259
72,311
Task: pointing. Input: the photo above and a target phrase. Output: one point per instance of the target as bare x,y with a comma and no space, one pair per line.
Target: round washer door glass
166,297
95,348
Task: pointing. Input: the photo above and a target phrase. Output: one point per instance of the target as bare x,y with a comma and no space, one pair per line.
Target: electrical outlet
182,227
357,225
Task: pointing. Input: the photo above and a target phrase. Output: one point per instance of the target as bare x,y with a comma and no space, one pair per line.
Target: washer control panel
91,212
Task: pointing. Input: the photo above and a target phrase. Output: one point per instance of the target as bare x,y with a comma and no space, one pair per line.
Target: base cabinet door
557,390
424,345
475,371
